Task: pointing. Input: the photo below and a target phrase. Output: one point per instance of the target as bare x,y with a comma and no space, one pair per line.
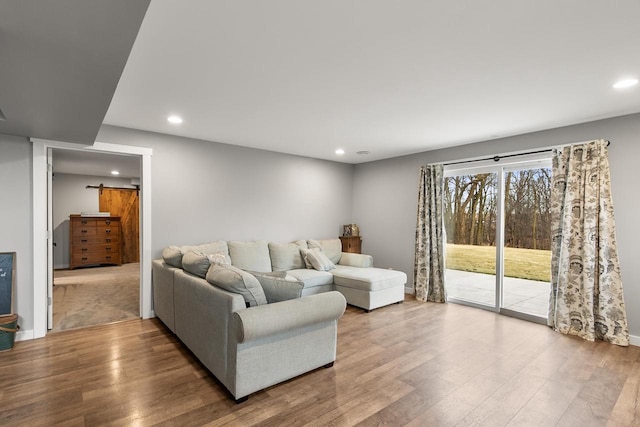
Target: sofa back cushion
234,280
196,262
332,248
172,255
252,256
213,247
287,256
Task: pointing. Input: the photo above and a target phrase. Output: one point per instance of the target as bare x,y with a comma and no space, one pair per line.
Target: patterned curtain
586,285
429,265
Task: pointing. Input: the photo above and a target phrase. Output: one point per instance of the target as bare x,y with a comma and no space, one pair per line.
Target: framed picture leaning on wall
7,281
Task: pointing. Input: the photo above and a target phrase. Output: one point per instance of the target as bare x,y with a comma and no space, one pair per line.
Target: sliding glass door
498,237
470,225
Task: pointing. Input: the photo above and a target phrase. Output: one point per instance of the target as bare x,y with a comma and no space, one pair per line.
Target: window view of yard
532,264
471,220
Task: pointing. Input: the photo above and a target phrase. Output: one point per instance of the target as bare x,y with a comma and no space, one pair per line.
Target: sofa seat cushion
368,279
312,278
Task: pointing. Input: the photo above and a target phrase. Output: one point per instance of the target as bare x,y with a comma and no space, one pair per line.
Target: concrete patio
525,296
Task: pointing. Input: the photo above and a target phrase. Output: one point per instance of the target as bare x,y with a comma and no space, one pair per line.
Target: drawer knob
108,222
108,231
84,258
108,248
84,221
108,256
84,240
108,240
83,231
84,249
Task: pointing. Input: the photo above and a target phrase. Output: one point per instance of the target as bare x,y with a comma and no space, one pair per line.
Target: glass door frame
500,167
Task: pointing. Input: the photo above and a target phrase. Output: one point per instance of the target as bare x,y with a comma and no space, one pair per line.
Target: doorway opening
497,225
96,250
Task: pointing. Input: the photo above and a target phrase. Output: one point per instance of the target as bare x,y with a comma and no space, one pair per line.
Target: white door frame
42,237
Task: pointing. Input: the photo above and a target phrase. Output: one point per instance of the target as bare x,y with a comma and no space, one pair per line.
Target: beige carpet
95,296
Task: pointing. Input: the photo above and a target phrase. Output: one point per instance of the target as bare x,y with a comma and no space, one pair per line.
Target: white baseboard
25,335
61,267
634,340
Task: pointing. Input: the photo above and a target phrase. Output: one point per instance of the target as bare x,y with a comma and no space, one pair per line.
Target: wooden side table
352,244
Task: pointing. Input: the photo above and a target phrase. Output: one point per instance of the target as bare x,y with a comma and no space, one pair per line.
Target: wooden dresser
95,240
351,244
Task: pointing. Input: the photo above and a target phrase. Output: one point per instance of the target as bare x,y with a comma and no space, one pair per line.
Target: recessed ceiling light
339,151
363,152
176,120
115,172
625,83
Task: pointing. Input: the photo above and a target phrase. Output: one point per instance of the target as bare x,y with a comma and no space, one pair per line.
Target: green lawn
521,263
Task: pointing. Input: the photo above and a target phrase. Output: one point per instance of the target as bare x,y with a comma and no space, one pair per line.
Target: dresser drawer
83,231
112,230
95,240
95,258
89,249
107,222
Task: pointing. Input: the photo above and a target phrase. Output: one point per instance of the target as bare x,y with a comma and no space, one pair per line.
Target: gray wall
16,219
385,195
70,196
204,191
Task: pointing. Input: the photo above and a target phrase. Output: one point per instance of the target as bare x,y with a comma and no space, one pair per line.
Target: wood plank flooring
410,364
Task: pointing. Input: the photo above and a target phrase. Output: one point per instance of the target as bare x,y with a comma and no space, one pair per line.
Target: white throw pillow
219,258
331,247
317,259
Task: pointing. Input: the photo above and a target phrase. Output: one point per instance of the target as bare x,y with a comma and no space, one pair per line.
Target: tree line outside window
470,209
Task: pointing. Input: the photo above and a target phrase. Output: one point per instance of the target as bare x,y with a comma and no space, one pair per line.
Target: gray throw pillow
277,274
279,289
234,280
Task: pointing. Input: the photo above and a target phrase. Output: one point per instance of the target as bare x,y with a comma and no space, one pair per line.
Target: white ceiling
389,77
84,162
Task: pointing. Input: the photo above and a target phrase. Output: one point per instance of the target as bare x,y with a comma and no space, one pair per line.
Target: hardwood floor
409,364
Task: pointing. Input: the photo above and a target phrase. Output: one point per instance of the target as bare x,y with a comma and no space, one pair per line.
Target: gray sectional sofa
257,313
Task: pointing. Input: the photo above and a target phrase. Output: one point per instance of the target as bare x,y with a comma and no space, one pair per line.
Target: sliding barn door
125,204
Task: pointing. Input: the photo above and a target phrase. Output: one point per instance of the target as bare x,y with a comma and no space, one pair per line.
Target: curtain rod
497,158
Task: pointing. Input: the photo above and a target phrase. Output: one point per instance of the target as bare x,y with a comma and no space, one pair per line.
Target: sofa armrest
356,260
271,319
